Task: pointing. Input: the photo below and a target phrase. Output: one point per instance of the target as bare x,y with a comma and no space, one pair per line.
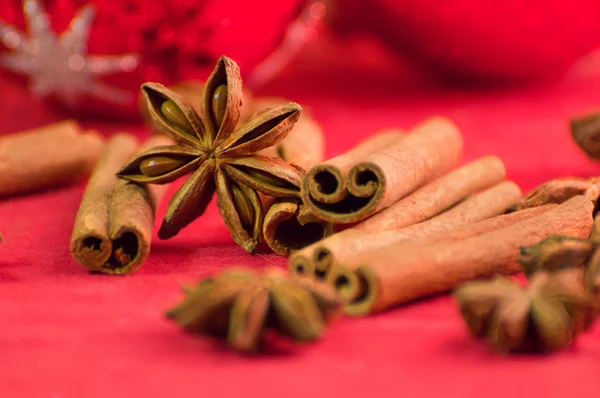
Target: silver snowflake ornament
59,65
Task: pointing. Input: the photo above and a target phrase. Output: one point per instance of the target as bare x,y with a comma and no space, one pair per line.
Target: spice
411,271
586,133
348,285
304,146
556,252
288,226
545,316
592,279
287,229
239,304
559,191
191,91
438,195
382,178
354,244
219,156
113,227
46,157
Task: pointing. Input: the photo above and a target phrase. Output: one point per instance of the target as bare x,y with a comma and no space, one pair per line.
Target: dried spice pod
304,146
46,157
556,252
191,90
383,177
559,191
239,304
354,244
586,133
592,279
544,317
221,157
113,228
411,271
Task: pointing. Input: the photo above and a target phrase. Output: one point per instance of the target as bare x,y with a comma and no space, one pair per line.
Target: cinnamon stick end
285,232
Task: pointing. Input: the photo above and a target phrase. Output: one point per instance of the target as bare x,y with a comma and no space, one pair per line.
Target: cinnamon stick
353,243
287,225
411,271
359,190
46,157
113,227
438,195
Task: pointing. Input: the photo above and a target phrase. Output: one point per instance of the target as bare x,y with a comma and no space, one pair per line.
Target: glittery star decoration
59,65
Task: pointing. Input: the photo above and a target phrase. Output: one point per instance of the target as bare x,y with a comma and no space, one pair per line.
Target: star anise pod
219,155
592,279
556,252
545,316
239,304
559,191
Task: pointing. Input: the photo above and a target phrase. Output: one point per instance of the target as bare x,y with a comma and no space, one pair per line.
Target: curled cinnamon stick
412,271
287,225
354,243
45,157
113,227
438,195
351,194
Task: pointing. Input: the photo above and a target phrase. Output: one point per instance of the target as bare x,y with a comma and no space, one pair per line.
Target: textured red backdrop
65,333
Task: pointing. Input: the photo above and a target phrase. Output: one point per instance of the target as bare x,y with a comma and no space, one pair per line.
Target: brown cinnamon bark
287,225
353,243
438,195
411,271
351,194
113,227
46,157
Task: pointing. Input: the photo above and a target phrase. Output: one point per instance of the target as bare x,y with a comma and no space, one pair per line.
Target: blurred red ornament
174,39
483,40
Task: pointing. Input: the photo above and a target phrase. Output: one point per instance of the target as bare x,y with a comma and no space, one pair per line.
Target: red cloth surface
65,333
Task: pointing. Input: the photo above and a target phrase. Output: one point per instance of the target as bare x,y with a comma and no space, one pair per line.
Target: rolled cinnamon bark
113,227
286,229
45,157
383,177
287,225
438,195
411,271
353,243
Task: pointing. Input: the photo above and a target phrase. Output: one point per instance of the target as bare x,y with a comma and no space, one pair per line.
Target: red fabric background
65,333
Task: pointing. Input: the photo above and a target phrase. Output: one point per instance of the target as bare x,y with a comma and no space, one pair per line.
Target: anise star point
219,155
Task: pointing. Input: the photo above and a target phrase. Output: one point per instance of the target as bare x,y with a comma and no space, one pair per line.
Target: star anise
556,252
219,155
545,316
592,279
239,304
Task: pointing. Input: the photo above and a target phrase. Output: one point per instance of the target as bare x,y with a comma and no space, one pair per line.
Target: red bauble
485,40
175,39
